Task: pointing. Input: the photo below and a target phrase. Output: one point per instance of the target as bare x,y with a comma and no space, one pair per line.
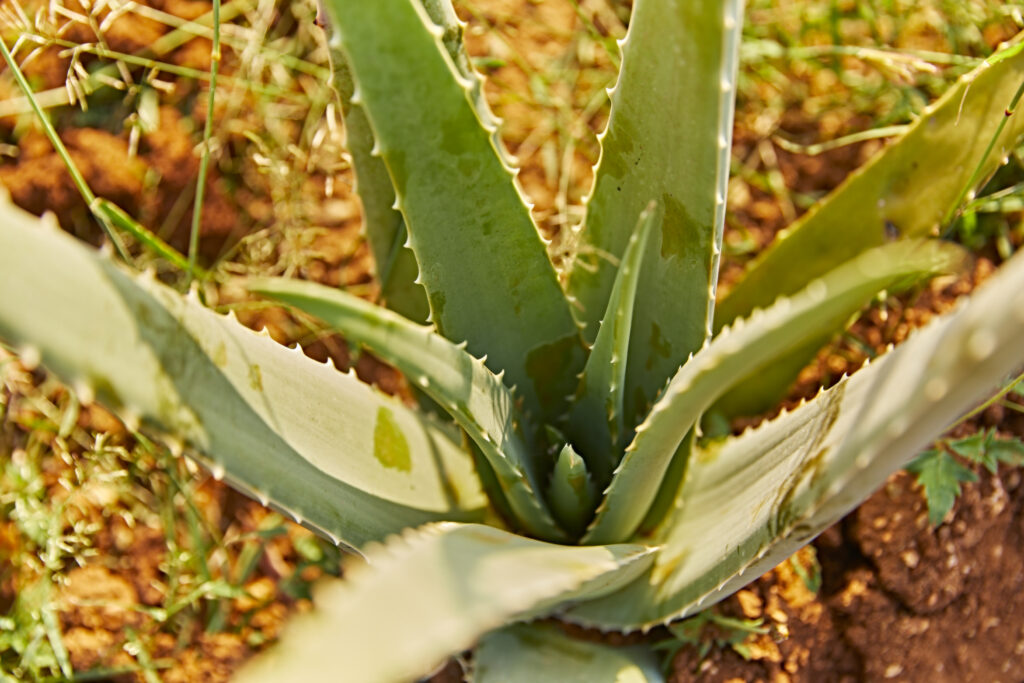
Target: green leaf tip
668,139
571,492
596,421
485,269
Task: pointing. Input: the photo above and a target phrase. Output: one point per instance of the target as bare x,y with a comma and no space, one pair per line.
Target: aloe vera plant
567,478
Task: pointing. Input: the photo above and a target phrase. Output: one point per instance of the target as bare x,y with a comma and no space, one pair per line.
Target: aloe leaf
667,140
751,346
431,593
383,224
596,418
448,374
750,501
908,189
489,281
908,262
345,459
518,654
385,228
571,491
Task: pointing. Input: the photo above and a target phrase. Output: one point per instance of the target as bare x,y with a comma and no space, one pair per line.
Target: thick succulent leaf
384,225
748,503
488,278
347,460
572,491
448,374
596,417
431,593
751,346
527,653
908,262
667,140
908,189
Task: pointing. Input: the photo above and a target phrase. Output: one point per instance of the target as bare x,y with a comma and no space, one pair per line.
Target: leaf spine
49,219
85,392
131,420
175,445
30,357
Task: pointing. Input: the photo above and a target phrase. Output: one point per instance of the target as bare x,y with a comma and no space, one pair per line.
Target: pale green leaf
383,224
596,425
751,501
668,141
458,382
385,227
572,491
432,593
528,653
488,278
908,264
907,189
342,457
752,346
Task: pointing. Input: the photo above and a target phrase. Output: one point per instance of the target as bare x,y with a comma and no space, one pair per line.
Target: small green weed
710,629
940,473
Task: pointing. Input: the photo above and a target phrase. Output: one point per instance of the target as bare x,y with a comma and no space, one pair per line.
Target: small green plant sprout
709,629
940,473
558,470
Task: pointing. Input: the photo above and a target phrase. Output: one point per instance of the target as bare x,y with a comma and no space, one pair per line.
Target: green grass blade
489,280
518,654
571,491
765,493
432,593
119,218
908,189
596,425
346,460
204,157
739,355
667,140
448,374
384,225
